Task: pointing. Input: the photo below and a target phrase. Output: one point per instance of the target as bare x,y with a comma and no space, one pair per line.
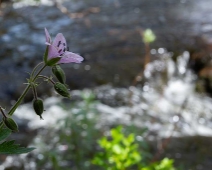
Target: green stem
12,110
18,102
34,92
3,114
38,73
33,71
45,77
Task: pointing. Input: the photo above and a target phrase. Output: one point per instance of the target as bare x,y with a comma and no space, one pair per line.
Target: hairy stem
34,92
18,102
3,114
33,71
47,78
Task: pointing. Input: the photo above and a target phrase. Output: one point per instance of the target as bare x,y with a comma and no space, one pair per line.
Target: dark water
105,33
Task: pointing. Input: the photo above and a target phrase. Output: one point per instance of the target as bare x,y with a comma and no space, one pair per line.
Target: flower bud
10,124
61,89
38,107
59,73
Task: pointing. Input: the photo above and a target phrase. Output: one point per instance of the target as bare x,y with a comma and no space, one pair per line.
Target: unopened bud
59,73
61,89
38,107
10,124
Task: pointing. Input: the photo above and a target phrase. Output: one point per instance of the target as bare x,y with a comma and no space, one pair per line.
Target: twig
146,61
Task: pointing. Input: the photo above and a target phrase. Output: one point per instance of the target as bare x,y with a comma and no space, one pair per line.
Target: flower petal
52,52
60,42
48,37
70,57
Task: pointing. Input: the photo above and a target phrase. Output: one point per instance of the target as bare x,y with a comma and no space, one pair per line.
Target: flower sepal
46,54
52,61
38,107
61,89
59,73
10,124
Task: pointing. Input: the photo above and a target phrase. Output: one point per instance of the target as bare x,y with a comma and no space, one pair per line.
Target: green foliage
165,164
78,132
8,147
120,153
4,133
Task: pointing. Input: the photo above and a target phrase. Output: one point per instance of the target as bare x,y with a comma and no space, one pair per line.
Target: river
105,33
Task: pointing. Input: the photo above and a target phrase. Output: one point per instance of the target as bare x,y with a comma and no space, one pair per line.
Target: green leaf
8,147
53,61
117,149
4,133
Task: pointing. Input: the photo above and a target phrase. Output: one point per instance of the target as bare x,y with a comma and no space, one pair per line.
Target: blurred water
103,32
167,105
166,100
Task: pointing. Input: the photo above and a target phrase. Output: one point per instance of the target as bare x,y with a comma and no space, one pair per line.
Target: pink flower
58,49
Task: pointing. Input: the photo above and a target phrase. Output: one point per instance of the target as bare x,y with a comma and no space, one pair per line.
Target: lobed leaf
4,133
8,147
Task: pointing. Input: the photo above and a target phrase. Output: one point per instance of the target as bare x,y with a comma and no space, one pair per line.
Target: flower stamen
60,51
58,43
